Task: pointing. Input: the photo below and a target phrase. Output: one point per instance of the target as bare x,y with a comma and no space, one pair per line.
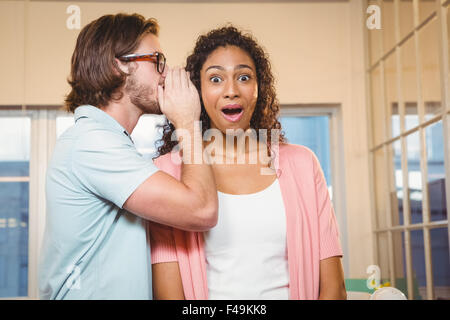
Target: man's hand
189,204
179,100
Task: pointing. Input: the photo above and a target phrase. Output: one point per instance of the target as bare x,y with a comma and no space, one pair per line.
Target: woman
276,237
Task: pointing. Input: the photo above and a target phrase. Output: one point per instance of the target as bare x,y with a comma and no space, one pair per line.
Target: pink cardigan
312,233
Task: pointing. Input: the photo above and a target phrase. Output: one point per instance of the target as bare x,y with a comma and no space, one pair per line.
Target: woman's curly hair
267,106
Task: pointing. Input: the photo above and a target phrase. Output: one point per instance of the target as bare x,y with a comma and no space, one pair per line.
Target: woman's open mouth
232,112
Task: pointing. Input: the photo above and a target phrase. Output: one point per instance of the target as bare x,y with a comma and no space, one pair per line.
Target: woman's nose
231,90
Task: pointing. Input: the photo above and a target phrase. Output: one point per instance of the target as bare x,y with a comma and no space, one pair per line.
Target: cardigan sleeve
162,243
330,245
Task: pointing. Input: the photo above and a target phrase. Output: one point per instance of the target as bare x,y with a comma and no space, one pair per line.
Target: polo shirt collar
89,111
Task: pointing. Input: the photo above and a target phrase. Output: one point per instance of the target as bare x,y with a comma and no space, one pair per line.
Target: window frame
42,140
333,111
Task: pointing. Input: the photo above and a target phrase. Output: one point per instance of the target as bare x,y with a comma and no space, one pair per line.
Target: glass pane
15,146
14,239
147,133
441,263
388,23
397,191
391,94
426,8
414,177
406,17
436,171
314,133
374,40
381,181
383,256
398,238
418,265
429,55
409,83
378,114
411,116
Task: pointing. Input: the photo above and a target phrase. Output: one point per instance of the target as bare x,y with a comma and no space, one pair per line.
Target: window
312,132
318,127
14,196
410,118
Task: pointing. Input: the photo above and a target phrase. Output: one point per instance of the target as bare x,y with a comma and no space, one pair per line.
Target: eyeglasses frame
152,57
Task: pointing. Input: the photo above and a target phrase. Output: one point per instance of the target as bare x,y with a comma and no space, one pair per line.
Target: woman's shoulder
169,163
299,158
303,158
295,150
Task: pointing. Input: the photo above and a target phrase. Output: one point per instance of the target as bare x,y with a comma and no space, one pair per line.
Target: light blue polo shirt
94,249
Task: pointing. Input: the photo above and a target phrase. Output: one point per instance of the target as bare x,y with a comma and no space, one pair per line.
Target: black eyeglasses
156,57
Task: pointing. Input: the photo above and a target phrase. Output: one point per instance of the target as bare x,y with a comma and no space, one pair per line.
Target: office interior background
364,84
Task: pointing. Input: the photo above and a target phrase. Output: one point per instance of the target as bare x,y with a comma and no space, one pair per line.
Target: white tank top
246,253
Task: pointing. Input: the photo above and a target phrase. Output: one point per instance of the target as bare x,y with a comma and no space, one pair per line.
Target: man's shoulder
89,131
88,126
89,143
92,134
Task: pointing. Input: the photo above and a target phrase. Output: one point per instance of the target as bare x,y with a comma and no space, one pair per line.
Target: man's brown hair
95,76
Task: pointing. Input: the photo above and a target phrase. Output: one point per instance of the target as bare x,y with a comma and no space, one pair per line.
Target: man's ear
124,67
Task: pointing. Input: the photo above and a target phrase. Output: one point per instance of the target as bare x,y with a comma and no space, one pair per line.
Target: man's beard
140,95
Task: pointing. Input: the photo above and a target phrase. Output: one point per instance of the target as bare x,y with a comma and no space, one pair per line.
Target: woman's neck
235,147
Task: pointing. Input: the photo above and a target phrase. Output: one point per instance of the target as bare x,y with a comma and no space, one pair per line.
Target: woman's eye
215,79
244,78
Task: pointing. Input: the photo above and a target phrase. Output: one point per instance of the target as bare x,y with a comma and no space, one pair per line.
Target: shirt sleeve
162,243
330,245
108,165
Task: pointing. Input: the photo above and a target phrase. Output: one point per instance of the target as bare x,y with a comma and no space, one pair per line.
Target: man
100,190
